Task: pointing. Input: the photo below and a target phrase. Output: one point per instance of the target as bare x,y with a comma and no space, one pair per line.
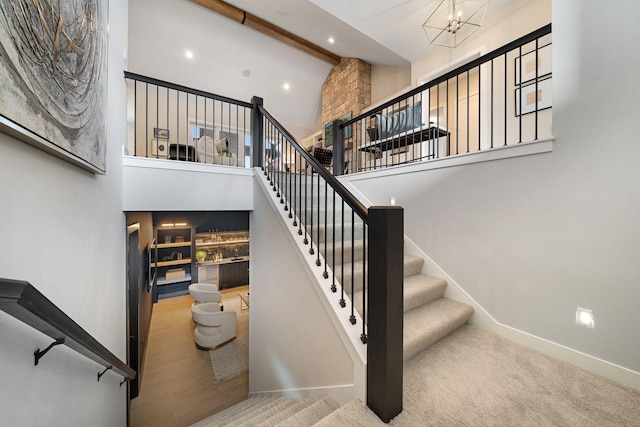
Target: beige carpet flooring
232,359
476,378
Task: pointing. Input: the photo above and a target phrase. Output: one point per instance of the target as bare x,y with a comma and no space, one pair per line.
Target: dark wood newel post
385,307
338,149
256,132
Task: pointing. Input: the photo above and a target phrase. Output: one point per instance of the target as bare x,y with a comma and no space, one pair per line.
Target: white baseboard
484,320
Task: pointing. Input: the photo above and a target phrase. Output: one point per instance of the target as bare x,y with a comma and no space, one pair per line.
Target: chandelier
451,22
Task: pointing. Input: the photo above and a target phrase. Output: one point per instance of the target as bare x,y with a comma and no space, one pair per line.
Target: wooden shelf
229,242
173,262
174,245
163,281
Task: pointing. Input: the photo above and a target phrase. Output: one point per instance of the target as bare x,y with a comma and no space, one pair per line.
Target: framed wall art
53,77
532,93
527,65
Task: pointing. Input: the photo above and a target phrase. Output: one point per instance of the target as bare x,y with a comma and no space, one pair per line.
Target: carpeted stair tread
351,414
236,410
311,414
298,406
358,252
427,324
232,418
258,416
412,266
421,289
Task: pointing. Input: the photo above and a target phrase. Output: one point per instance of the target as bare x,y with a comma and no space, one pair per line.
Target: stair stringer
338,316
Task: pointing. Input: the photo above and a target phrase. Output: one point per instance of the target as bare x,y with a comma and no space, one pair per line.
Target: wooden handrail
24,302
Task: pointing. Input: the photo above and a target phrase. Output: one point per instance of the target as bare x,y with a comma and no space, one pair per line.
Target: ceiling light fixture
332,40
452,21
286,86
189,54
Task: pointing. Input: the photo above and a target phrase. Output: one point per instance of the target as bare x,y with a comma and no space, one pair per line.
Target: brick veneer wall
347,88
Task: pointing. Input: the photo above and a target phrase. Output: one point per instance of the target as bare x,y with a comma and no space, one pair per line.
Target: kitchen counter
222,261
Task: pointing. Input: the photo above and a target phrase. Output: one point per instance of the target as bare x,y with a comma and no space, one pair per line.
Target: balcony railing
499,99
174,122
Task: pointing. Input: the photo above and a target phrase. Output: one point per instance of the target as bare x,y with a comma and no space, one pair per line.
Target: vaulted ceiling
233,60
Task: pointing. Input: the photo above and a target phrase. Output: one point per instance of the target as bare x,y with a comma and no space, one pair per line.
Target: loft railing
499,99
359,250
24,302
174,122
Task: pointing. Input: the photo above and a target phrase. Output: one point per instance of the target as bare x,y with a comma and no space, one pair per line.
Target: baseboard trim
342,393
483,319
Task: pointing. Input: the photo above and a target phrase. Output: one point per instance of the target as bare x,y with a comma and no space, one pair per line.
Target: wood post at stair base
385,311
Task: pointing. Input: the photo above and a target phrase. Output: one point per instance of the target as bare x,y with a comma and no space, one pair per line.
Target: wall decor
160,133
328,130
527,64
53,77
528,104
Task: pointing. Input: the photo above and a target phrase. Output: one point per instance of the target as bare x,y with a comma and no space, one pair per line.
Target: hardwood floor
178,387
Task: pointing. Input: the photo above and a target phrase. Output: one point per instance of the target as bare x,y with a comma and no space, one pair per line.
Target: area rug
232,359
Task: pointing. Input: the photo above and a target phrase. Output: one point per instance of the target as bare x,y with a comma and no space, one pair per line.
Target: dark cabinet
234,274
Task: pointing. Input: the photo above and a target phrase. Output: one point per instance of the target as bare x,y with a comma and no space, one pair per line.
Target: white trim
179,165
499,153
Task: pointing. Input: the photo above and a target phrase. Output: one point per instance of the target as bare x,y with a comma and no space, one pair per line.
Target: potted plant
200,256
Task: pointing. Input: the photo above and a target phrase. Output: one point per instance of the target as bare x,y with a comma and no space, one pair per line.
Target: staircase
428,317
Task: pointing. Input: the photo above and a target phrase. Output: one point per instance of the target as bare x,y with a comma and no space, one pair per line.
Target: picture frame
160,133
346,132
528,104
527,64
56,103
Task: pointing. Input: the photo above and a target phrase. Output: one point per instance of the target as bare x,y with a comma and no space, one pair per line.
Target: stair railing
24,302
338,228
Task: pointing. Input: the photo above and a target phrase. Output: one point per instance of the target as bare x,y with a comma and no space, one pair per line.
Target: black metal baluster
342,302
535,119
325,274
520,98
365,272
468,109
492,106
157,116
146,116
479,105
505,99
333,246
318,263
352,318
135,121
311,228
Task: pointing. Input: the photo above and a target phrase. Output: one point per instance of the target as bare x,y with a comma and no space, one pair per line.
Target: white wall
386,81
295,347
533,238
63,230
171,185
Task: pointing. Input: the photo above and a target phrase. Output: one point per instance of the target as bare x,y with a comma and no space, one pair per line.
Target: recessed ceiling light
189,54
584,317
286,86
246,73
332,40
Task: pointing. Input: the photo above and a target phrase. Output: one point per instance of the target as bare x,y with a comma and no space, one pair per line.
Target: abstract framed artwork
53,77
328,129
533,95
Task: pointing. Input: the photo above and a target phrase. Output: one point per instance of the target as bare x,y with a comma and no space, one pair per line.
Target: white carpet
232,359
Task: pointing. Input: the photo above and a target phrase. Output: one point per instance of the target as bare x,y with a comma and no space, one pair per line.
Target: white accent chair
214,328
205,293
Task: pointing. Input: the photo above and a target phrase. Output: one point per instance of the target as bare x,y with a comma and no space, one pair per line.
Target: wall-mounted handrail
24,302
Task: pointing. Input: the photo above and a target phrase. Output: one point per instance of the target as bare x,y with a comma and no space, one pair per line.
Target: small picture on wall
528,65
534,94
160,133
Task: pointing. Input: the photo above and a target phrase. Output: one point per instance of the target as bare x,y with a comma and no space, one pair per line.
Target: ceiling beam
258,24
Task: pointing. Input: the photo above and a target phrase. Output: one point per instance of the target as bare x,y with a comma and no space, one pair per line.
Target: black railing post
385,309
338,149
257,132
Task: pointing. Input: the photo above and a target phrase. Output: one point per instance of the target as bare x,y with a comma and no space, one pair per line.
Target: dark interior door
133,284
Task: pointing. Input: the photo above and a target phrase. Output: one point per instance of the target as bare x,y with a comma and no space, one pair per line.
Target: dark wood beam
269,29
